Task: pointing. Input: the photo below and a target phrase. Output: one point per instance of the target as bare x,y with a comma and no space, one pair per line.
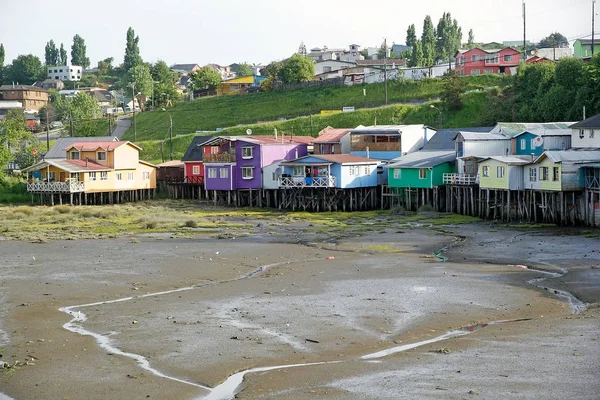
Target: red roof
87,165
281,139
331,135
92,146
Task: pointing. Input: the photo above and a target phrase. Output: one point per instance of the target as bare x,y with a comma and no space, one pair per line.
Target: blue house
342,171
527,143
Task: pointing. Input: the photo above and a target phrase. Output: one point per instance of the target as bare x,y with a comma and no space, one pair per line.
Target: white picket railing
301,181
460,179
56,187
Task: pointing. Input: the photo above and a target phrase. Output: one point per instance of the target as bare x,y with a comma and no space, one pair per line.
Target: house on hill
185,69
586,134
31,97
479,62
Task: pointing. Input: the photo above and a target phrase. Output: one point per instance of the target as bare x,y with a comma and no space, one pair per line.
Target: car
56,124
253,89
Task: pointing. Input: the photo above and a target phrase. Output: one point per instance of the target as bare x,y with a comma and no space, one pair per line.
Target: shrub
425,208
190,224
149,225
62,209
24,210
397,210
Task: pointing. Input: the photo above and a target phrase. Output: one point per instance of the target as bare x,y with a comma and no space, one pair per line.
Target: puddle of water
5,397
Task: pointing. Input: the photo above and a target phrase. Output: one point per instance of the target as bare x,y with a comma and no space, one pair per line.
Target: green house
421,170
582,48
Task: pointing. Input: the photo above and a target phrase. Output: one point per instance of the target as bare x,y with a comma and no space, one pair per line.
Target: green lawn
227,111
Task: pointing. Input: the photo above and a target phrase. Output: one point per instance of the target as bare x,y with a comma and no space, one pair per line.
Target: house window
555,174
500,172
532,174
475,72
214,149
75,176
581,134
533,143
74,155
459,149
101,156
196,170
92,176
485,170
591,133
422,173
508,58
247,172
130,176
104,175
397,173
492,59
146,176
367,169
523,144
51,176
543,173
488,71
475,57
224,172
298,171
212,172
119,176
247,152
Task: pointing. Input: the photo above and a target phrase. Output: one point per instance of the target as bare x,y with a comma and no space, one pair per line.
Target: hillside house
239,85
32,98
582,48
478,61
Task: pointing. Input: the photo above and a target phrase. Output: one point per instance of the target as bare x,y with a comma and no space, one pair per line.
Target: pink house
478,62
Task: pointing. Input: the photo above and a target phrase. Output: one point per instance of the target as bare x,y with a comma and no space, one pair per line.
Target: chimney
275,132
424,135
507,152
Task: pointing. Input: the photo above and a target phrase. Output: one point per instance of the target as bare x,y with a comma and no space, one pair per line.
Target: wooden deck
460,179
56,187
301,181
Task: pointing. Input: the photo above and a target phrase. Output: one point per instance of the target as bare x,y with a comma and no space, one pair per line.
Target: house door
471,167
61,177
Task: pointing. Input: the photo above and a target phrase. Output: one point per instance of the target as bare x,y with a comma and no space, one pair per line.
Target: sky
260,31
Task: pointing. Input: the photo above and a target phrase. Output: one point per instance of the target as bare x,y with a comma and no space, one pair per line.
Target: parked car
56,124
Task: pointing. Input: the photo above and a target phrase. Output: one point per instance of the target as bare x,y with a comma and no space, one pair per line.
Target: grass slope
226,111
474,107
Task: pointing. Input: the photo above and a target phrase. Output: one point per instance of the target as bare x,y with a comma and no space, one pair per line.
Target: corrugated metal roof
194,150
334,158
108,145
571,156
511,160
331,135
443,139
58,149
382,129
174,163
591,122
424,159
482,136
512,129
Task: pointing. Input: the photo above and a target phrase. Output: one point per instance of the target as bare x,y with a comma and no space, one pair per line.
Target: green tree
449,37
383,51
428,42
78,51
105,66
64,60
2,55
454,87
416,60
296,69
554,40
411,35
77,112
205,78
13,134
244,70
162,73
471,42
132,50
25,70
51,56
140,75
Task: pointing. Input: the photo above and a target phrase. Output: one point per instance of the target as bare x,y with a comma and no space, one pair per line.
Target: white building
65,72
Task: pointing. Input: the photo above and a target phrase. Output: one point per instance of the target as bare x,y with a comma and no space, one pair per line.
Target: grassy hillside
474,107
226,111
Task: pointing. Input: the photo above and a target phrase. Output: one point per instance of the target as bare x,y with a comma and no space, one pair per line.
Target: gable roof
107,145
482,136
69,165
5,88
591,122
331,135
344,159
512,129
589,41
423,159
510,160
184,67
572,156
194,150
57,151
262,139
443,139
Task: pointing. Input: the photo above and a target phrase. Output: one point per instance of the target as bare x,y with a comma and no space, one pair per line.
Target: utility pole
593,23
47,129
170,137
71,122
133,105
385,69
311,126
524,34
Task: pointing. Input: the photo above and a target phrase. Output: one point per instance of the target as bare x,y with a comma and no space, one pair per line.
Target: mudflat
156,315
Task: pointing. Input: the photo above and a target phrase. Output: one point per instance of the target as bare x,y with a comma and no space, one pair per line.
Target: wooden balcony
301,181
460,179
382,146
56,187
219,157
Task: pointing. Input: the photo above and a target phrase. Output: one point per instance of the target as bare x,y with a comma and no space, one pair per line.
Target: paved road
121,128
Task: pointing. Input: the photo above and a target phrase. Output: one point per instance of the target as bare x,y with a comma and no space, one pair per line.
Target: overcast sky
227,31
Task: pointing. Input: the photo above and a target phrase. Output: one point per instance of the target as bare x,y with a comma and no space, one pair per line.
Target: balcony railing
460,179
218,157
301,181
56,187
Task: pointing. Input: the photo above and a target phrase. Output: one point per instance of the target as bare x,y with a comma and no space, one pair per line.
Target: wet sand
379,291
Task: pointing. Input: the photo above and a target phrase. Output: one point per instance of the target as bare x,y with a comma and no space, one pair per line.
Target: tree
25,69
411,35
416,60
105,66
132,50
449,37
205,78
78,50
554,40
162,73
78,111
383,51
13,134
296,69
244,70
2,55
64,60
140,75
453,89
428,42
471,42
52,56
